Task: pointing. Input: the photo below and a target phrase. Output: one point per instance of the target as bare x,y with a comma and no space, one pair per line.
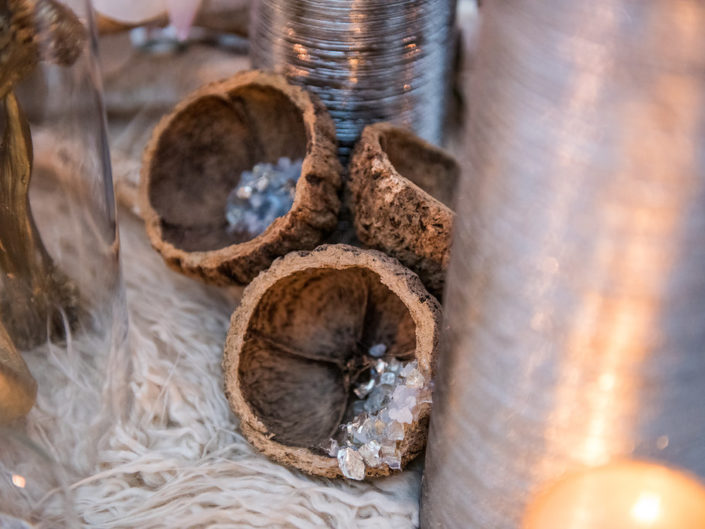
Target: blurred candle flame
647,508
19,481
621,495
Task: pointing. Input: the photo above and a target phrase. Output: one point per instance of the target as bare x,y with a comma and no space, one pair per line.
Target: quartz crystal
388,400
377,350
387,379
351,463
262,194
333,449
370,453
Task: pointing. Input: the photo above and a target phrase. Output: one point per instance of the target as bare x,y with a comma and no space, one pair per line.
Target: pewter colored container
368,60
576,290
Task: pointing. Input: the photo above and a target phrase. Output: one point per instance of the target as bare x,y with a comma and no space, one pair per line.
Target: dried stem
18,390
35,292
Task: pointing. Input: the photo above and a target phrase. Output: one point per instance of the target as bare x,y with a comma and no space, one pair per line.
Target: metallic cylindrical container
576,291
368,60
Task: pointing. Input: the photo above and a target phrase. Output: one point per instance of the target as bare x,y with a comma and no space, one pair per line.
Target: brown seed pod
195,158
297,340
402,190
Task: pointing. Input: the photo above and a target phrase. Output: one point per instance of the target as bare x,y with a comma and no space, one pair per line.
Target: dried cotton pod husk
297,337
195,158
402,191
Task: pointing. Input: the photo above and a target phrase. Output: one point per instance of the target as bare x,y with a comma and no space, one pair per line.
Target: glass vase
62,310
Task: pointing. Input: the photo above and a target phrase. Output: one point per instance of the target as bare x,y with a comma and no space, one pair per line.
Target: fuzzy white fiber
179,460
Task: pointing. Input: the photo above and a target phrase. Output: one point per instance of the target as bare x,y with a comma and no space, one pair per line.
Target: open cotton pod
329,360
241,172
402,192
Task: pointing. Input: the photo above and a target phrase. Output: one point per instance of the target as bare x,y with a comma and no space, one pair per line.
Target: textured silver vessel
368,60
576,291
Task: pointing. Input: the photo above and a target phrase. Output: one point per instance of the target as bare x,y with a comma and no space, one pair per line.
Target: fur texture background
179,459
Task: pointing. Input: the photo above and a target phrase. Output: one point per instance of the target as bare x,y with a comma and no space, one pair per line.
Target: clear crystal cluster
387,403
262,194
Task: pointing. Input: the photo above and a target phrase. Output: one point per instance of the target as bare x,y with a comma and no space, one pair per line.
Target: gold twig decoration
34,292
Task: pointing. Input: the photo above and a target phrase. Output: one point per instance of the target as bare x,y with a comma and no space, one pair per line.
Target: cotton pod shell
299,328
195,158
402,189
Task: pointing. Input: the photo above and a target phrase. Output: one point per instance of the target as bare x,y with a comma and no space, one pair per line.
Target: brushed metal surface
368,60
576,292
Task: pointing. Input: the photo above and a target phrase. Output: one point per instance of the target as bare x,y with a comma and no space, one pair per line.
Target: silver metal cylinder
576,291
368,60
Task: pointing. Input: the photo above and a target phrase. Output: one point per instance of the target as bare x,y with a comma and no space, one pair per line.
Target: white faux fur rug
180,460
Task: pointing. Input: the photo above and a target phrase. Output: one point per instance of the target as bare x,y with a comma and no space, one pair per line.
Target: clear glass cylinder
33,491
62,310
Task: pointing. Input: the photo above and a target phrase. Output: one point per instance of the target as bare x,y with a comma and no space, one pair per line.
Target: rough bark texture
402,192
297,341
196,156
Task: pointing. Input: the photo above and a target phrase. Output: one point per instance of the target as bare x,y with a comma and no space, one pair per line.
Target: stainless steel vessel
368,60
576,291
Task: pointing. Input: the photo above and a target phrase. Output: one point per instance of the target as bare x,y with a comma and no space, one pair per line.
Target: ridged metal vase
368,60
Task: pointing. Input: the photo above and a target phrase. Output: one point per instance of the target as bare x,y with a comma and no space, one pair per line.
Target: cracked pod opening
199,158
241,172
402,190
298,346
430,169
298,366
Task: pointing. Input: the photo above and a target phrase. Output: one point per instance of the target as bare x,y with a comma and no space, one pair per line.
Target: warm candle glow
626,495
18,481
647,508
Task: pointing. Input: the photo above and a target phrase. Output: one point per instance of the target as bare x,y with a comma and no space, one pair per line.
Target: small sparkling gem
244,192
388,379
262,194
390,398
414,378
390,455
376,399
351,464
370,453
377,350
360,435
363,390
395,366
402,415
395,431
381,366
262,184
